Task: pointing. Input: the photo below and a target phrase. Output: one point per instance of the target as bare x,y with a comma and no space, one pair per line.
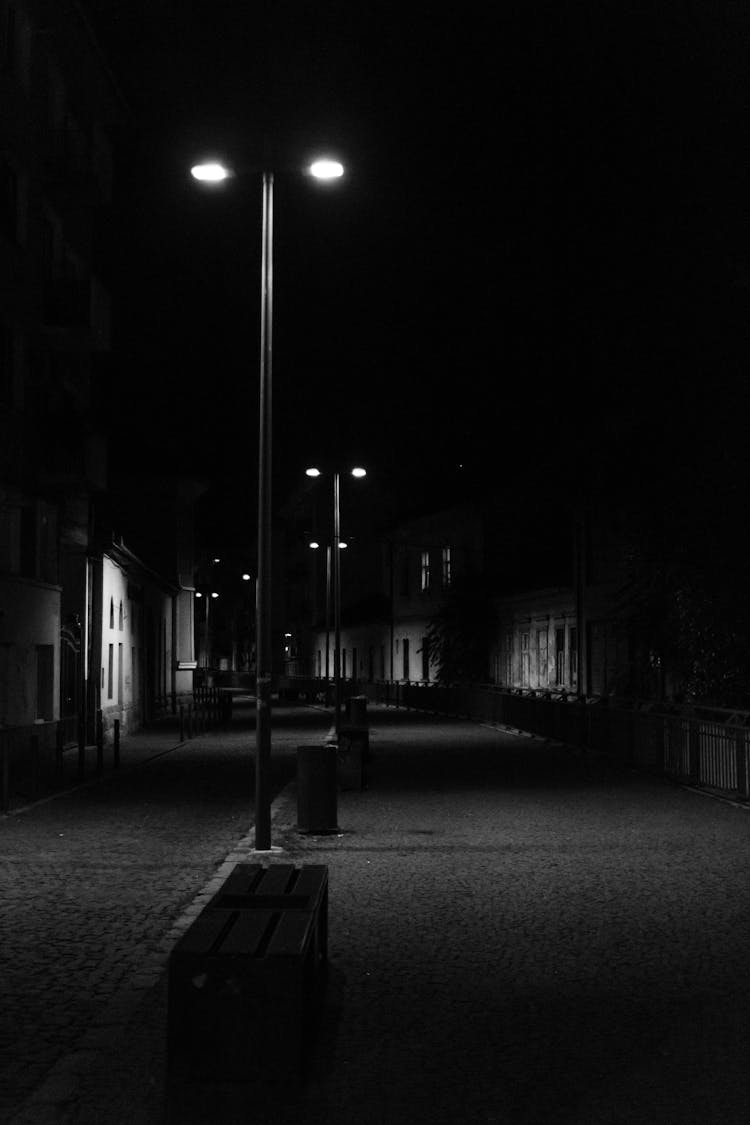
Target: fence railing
699,746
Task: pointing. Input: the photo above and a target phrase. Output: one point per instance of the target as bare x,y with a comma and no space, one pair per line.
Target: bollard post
81,748
59,743
4,772
34,765
99,742
116,743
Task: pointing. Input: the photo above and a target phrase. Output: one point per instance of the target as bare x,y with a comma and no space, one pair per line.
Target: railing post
116,743
81,747
741,758
694,750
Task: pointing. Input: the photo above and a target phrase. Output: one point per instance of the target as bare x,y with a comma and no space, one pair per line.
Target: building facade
59,111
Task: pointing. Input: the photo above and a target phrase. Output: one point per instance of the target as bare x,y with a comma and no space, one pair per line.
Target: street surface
517,935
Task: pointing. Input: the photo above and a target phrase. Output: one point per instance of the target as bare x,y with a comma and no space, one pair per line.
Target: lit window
425,570
446,566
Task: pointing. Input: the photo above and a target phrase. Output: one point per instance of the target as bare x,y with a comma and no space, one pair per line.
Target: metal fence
701,746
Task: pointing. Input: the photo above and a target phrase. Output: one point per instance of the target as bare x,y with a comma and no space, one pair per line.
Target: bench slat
241,879
291,935
204,932
276,880
247,933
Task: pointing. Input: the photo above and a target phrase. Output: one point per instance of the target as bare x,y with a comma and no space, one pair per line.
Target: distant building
384,630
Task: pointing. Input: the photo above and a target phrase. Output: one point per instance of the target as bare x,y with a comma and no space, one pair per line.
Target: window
110,670
446,566
343,664
111,613
508,660
405,656
425,659
525,660
573,655
559,656
119,623
542,644
425,570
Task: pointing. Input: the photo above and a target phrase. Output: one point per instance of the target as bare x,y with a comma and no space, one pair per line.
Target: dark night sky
537,262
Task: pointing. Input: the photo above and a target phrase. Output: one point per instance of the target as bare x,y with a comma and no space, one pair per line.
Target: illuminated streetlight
212,172
358,473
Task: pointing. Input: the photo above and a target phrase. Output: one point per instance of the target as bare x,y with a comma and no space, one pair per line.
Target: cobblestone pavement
517,935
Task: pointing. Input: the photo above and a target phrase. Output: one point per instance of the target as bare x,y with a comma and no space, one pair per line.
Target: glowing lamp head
212,172
312,472
214,594
325,169
314,545
359,472
245,577
342,545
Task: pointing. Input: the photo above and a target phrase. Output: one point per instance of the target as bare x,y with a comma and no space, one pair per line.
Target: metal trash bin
357,711
317,810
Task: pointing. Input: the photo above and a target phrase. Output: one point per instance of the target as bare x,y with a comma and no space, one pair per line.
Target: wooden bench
246,977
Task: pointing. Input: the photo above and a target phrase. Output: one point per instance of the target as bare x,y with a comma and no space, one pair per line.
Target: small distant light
342,544
314,545
214,594
327,169
210,173
312,472
287,634
198,594
359,472
216,560
245,577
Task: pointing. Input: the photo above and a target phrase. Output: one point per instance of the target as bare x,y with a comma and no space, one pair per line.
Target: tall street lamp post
212,173
337,545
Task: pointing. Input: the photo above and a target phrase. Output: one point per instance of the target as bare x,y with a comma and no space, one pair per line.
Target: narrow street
517,935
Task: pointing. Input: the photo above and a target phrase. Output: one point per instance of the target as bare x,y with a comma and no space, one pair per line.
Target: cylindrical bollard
358,711
35,765
99,742
81,748
316,789
116,743
59,743
4,772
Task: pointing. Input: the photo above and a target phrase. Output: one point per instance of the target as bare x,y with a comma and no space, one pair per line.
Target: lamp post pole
263,646
328,617
213,172
337,602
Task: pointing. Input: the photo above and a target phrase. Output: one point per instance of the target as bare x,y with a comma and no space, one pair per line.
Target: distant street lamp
207,642
358,473
214,172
